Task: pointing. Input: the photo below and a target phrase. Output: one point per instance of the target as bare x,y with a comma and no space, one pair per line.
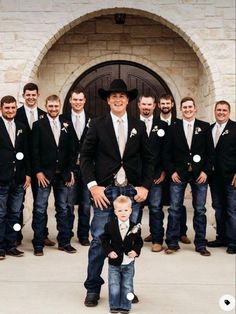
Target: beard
165,110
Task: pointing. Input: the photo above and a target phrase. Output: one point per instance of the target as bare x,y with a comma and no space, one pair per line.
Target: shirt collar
52,120
29,109
122,222
75,114
142,118
189,122
115,118
221,125
7,121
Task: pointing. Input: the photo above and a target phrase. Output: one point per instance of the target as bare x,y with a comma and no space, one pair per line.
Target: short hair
222,102
52,98
78,90
30,86
147,95
166,97
7,100
188,98
122,199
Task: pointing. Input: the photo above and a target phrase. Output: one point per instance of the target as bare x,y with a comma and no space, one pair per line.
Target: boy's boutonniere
198,130
88,123
65,126
133,132
135,229
19,132
225,132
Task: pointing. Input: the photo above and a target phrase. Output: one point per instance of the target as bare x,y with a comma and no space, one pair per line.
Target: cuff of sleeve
91,184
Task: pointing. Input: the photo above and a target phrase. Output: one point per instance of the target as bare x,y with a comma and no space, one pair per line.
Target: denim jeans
120,283
199,194
224,203
11,198
96,255
39,222
79,195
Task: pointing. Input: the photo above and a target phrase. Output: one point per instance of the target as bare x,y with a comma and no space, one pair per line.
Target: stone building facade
190,44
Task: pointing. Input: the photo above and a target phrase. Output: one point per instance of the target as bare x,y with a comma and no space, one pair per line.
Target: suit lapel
182,134
5,134
111,133
48,130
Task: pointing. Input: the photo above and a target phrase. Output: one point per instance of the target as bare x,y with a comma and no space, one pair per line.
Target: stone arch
193,40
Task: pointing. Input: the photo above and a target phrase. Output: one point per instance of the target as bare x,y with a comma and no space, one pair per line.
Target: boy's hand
132,254
112,255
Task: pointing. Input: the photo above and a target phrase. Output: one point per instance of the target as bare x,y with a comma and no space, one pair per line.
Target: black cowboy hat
118,86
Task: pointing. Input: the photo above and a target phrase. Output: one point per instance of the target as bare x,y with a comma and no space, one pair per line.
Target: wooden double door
100,76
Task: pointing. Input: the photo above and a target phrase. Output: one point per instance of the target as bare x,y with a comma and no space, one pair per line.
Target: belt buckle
116,183
190,169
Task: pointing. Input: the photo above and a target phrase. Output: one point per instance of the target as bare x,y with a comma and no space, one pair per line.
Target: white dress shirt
221,128
82,119
185,124
126,259
28,113
148,122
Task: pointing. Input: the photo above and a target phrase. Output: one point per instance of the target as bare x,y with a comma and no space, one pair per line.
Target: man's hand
234,181
132,254
141,195
71,182
161,178
99,197
202,177
42,180
113,255
27,182
175,177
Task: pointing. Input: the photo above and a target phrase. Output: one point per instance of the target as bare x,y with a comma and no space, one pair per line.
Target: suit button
13,162
57,160
190,154
121,162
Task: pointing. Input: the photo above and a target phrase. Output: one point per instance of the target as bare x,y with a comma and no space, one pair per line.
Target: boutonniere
198,130
65,126
155,128
133,132
135,229
160,132
19,132
88,123
225,132
41,116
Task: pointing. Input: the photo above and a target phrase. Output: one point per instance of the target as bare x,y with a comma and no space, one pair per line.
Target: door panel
100,76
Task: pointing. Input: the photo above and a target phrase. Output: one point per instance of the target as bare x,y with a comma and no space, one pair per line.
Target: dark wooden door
100,76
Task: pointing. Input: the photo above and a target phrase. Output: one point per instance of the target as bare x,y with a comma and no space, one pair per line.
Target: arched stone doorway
100,76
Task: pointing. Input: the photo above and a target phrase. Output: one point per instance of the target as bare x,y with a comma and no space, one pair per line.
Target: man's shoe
2,255
84,242
135,299
184,239
203,251
124,311
231,250
67,248
148,238
114,310
216,243
156,247
171,249
15,252
48,242
91,300
38,251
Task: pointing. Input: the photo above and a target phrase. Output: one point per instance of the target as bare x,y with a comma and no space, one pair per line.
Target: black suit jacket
101,159
47,156
112,241
79,142
225,153
156,144
177,156
21,116
10,166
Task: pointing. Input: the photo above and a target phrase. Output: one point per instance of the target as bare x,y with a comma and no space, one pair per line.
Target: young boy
121,242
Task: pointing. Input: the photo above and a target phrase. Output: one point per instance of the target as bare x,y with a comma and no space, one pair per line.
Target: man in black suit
115,159
188,158
79,193
156,130
223,180
28,114
53,160
14,175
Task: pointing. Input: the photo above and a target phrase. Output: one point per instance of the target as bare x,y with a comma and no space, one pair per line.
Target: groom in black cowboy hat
115,159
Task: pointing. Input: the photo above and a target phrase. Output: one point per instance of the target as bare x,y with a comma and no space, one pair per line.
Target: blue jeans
11,198
39,222
79,195
96,255
120,283
224,203
199,194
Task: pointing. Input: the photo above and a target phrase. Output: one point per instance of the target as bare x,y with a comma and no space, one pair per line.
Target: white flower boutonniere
19,132
41,116
135,229
160,132
225,132
198,130
133,132
88,123
155,128
65,126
